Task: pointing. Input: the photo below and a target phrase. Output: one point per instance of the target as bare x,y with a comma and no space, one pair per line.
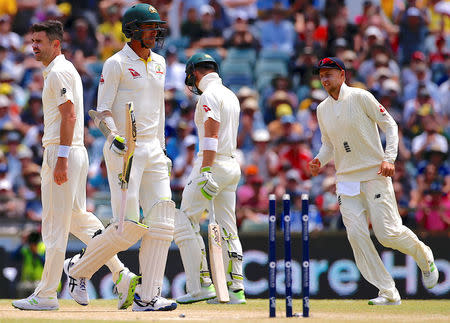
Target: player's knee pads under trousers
192,251
154,248
106,245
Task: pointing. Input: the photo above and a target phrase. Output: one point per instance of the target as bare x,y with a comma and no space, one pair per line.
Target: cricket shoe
206,292
125,287
236,297
430,278
158,303
77,286
381,300
34,303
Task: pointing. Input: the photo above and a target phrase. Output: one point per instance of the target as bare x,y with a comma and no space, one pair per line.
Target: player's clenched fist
207,184
314,166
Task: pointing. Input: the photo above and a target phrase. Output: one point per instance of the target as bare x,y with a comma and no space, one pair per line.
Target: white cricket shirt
350,134
62,83
221,104
127,77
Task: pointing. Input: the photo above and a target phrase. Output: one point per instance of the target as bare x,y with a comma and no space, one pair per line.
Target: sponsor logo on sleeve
102,80
382,110
63,91
206,108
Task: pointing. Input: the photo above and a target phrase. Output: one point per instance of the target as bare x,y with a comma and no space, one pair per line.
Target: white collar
209,79
52,63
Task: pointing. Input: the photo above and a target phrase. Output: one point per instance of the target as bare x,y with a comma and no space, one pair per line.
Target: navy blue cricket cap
331,62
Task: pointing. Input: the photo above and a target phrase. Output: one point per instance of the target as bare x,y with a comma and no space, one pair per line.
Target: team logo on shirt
159,69
382,109
134,73
206,108
102,80
63,91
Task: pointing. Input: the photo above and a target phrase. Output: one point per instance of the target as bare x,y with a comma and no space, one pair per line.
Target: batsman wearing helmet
215,175
136,74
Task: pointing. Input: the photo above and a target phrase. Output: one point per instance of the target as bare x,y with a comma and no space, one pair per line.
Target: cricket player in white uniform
136,74
64,168
215,175
348,120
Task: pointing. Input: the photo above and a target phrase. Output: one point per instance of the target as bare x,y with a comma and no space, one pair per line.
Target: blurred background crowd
267,50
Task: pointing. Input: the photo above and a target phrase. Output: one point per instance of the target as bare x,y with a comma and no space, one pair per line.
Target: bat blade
216,263
130,137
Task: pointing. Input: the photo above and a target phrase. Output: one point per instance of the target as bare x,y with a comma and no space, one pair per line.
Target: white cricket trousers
377,202
149,179
226,172
64,211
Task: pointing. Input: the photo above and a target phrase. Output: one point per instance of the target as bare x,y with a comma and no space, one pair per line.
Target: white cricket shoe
236,297
158,303
125,287
381,300
206,292
430,278
34,303
77,286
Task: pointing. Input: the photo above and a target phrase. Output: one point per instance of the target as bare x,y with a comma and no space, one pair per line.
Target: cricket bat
215,257
130,137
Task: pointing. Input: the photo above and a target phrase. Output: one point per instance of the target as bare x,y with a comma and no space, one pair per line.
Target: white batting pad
190,251
154,248
104,246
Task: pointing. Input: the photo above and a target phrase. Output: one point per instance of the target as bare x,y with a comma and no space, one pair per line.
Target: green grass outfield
255,311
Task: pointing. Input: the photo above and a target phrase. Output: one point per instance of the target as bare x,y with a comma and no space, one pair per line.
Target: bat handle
212,216
123,206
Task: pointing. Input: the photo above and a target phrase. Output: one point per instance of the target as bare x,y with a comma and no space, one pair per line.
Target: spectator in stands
31,254
209,36
183,165
240,34
429,140
174,70
413,29
418,109
191,27
82,38
99,181
109,32
433,211
252,200
423,76
234,8
10,205
263,155
285,125
8,39
298,154
403,205
277,33
250,120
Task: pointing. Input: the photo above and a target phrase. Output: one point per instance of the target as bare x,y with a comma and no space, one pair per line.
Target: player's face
43,47
331,78
149,34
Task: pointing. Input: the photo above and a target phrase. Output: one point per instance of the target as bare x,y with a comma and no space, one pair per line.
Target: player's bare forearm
68,120
211,131
208,158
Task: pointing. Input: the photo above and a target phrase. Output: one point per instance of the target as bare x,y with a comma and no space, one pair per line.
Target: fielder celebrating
215,175
348,120
64,170
136,74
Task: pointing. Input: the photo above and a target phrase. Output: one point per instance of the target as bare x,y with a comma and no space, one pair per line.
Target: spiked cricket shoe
206,292
125,288
381,300
34,303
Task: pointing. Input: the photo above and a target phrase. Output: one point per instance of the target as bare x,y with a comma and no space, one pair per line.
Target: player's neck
140,51
55,54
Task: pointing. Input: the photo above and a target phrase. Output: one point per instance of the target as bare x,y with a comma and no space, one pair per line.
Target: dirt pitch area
254,311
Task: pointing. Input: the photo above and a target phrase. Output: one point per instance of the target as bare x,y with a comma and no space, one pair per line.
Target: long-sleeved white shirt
222,105
350,134
127,77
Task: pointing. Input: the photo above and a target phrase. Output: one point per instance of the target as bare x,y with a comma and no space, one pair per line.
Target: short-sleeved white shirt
221,104
126,77
62,83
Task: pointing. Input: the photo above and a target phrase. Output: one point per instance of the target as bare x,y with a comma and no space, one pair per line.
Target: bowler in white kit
64,167
215,175
349,119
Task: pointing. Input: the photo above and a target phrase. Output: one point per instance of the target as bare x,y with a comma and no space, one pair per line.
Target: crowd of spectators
267,51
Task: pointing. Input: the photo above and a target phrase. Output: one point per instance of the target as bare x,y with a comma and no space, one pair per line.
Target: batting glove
118,146
207,184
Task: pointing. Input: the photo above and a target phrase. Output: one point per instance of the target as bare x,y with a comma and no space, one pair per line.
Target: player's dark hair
52,28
